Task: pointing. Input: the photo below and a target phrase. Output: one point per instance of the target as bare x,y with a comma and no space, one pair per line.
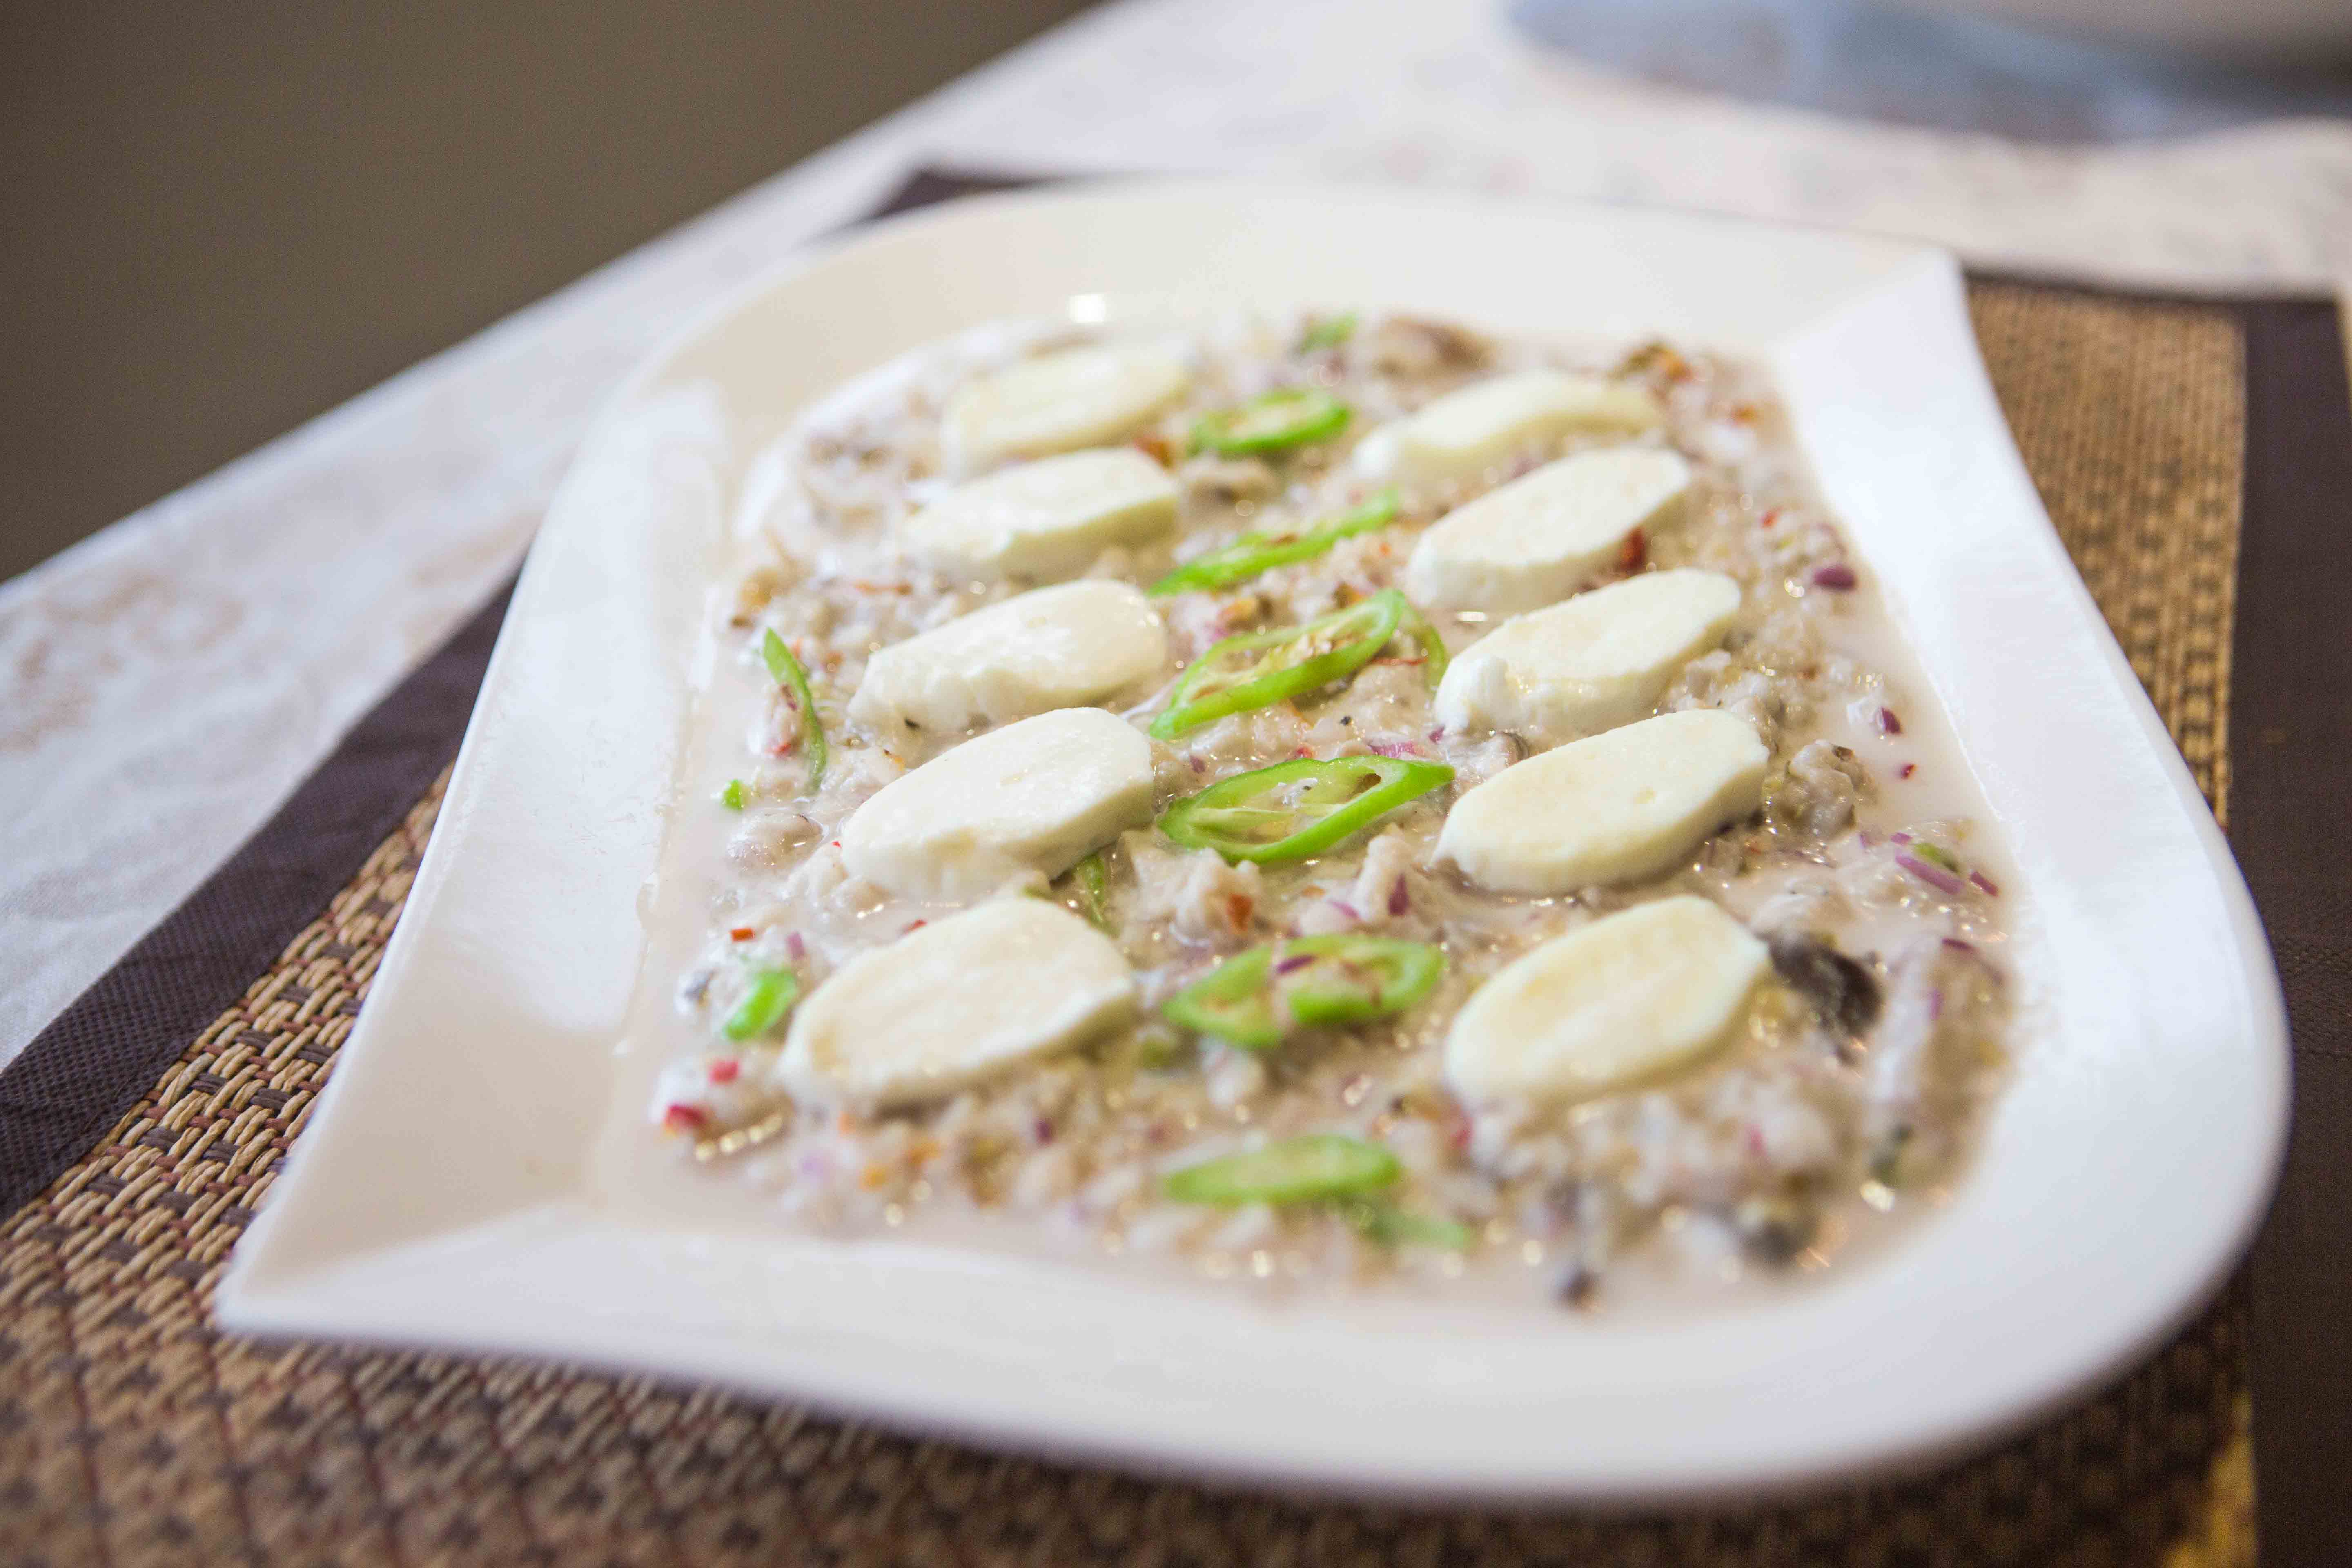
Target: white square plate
447,1191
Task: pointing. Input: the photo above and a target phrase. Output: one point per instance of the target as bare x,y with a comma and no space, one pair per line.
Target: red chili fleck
1461,1135
685,1117
1634,553
1991,889
1755,1141
726,1069
1769,518
1907,770
1888,724
741,933
1837,577
916,927
836,844
1238,907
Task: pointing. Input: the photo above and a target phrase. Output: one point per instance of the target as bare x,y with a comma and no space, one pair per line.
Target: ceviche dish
1335,801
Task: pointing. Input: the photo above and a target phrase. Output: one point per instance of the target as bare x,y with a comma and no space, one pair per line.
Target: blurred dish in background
1965,73
2281,30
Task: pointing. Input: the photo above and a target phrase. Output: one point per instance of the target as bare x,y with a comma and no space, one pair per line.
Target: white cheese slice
962,999
1629,997
1036,795
1467,432
1539,538
1063,646
1590,663
1060,402
1047,519
1613,807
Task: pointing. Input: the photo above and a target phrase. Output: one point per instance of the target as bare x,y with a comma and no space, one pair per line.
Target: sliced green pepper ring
1327,332
1377,1220
1252,553
1257,669
1234,1001
1416,624
1297,810
1275,422
1093,880
1297,1170
765,1005
1356,979
1256,998
788,673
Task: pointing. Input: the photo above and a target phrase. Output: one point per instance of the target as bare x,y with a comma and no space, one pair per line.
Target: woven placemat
130,1433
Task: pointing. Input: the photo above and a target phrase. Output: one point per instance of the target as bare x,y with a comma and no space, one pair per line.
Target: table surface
163,685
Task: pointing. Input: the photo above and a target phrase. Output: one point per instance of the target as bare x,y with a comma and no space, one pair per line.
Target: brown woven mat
130,1433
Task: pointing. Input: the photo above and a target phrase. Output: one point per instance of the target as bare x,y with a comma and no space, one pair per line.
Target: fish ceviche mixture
1332,798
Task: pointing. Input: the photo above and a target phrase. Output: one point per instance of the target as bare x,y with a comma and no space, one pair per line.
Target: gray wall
222,218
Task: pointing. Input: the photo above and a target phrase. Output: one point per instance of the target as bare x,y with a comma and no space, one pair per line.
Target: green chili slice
1252,554
1256,998
1392,1227
1234,1001
1297,1170
765,1006
1328,333
1092,881
1355,979
787,672
1276,422
731,797
1416,624
1297,809
1256,668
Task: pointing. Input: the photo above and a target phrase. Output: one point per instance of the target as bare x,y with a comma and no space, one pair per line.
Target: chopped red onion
1902,838
1394,748
1043,1129
795,946
1888,724
1399,900
1956,945
1991,889
1838,577
1942,881
1907,770
1295,961
1198,765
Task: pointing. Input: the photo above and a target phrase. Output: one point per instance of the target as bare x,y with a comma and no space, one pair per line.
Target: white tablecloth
166,684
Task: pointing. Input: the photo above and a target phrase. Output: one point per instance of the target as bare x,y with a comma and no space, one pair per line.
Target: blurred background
225,219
